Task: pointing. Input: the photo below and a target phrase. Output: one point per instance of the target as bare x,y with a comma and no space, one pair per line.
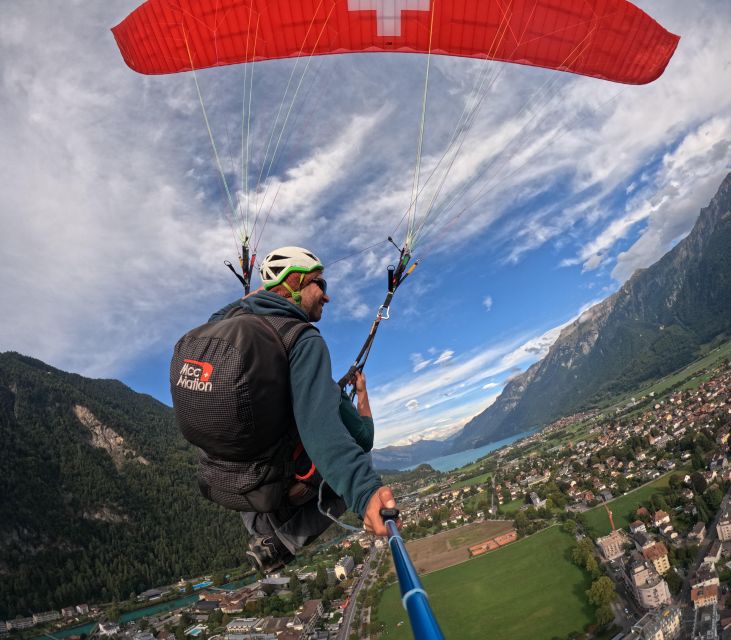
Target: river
152,610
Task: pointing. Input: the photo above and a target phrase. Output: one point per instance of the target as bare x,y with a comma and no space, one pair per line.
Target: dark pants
296,527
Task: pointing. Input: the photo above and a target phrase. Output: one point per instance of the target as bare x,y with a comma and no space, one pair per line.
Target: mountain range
657,322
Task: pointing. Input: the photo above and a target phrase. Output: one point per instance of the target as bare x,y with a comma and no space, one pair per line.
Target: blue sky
114,226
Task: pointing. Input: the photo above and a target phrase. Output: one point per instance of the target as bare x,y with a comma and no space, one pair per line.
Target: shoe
268,554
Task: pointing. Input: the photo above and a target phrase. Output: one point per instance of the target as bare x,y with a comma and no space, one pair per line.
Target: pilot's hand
372,520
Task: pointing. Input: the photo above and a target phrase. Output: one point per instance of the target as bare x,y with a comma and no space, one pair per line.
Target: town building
344,567
713,554
650,590
642,540
612,545
152,594
705,576
108,629
308,616
698,532
658,555
704,596
638,527
46,616
241,626
663,624
723,528
536,500
19,623
705,623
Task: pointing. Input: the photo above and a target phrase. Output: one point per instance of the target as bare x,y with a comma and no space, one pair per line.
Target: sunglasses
320,282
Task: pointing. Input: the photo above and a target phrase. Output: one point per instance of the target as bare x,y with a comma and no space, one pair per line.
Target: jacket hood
271,304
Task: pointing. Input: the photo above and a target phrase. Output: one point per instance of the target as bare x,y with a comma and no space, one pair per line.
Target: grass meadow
623,508
528,590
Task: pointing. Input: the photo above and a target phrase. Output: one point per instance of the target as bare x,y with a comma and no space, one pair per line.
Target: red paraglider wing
608,39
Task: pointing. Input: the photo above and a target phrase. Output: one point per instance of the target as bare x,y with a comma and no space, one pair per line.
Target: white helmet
285,260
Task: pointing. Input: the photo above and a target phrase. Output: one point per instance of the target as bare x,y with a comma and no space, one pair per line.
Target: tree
697,460
321,578
601,592
704,513
570,527
674,581
713,497
521,523
215,620
592,566
698,482
357,553
604,615
676,482
296,588
113,613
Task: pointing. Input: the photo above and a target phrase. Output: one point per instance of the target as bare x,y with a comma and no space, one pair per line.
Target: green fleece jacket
335,437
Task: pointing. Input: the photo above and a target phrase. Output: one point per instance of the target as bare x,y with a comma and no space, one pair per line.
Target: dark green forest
74,527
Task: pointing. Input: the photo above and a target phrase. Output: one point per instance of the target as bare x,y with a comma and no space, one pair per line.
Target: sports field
451,547
623,508
528,590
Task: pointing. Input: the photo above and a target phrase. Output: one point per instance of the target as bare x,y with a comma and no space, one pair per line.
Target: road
349,612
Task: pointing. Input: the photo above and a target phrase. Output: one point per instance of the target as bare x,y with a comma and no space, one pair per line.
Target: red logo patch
206,369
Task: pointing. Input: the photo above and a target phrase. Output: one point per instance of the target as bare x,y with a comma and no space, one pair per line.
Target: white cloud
453,393
688,179
487,302
445,356
419,362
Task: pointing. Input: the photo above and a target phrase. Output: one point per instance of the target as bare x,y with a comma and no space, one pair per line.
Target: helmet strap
296,295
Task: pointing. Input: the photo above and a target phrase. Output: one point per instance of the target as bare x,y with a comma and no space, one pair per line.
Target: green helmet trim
294,269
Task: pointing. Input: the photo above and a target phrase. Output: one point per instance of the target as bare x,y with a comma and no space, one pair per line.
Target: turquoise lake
460,459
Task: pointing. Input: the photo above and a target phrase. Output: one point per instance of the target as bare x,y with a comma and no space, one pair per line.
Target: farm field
526,590
451,547
623,507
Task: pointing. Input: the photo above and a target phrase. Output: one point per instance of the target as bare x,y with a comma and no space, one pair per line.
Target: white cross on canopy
388,12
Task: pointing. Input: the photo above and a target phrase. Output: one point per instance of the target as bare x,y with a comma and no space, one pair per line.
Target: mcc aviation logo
196,376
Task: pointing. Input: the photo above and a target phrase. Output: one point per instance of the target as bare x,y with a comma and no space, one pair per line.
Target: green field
481,479
529,589
513,506
623,508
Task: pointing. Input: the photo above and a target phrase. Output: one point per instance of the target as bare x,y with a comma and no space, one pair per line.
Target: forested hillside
98,489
